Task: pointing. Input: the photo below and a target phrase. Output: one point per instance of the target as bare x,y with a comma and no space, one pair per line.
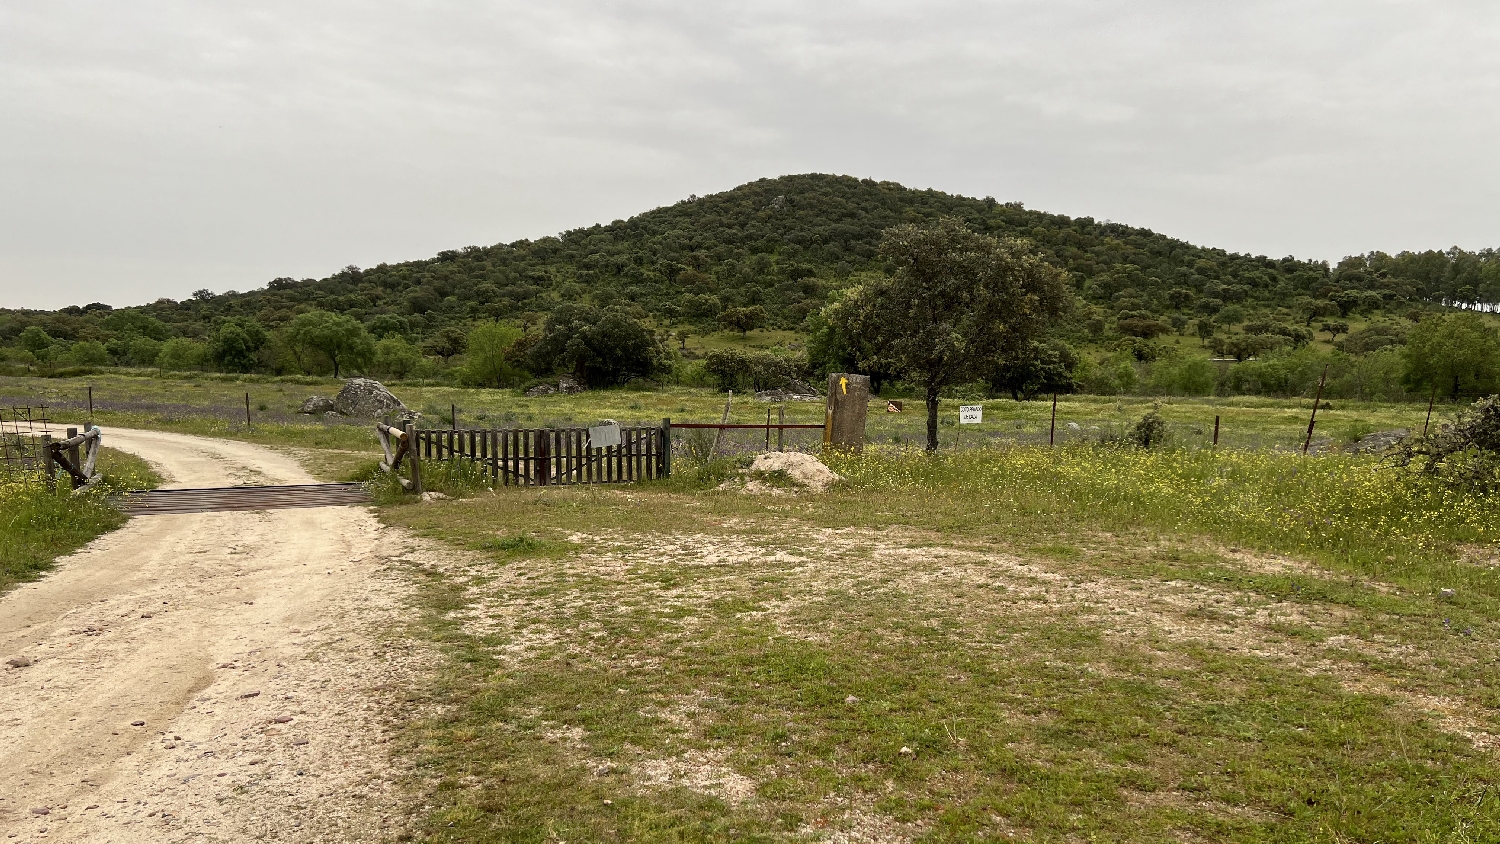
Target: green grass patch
700,666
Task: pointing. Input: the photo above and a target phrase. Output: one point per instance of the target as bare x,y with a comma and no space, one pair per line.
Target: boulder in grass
366,398
1379,441
317,404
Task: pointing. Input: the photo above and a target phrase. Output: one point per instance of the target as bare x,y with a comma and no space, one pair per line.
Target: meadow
214,405
1004,641
1086,643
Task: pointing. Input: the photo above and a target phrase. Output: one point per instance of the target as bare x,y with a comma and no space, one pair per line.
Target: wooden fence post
1431,400
410,430
543,457
1307,443
48,464
1052,432
844,419
1216,430
73,450
719,433
780,420
247,411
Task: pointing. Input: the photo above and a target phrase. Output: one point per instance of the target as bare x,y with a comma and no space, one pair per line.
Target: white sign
970,414
605,436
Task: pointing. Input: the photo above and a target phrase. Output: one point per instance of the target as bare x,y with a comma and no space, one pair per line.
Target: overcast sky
148,149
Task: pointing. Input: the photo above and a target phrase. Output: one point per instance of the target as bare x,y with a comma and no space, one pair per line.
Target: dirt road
213,676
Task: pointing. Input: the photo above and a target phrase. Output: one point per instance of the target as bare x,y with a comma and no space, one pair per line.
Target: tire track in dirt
213,676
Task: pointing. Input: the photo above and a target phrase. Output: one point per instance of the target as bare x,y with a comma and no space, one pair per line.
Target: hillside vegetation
766,255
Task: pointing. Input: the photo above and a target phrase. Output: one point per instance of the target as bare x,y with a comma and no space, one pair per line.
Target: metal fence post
666,447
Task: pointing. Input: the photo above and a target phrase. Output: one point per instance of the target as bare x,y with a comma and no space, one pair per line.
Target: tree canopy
600,347
957,305
1457,354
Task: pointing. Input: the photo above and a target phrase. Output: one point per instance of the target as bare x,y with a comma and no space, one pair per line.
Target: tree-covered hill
783,245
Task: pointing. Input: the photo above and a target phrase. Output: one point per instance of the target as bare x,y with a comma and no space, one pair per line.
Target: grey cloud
151,148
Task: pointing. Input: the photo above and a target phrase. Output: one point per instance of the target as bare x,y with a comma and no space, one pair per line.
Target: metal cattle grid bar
240,498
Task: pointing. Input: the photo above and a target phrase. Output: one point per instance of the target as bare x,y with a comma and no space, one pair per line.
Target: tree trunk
335,365
1455,388
932,418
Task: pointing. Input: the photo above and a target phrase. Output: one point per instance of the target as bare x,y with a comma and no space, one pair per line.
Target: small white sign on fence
605,436
970,414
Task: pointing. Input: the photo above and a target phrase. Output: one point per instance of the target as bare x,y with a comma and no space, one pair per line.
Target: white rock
805,470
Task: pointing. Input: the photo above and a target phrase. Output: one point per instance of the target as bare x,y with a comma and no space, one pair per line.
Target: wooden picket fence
532,456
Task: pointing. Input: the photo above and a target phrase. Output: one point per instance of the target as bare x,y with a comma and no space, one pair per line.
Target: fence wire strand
21,432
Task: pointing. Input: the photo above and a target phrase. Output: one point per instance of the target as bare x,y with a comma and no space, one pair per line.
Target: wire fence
21,432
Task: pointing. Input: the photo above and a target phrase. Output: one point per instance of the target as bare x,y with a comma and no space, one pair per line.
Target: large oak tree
958,304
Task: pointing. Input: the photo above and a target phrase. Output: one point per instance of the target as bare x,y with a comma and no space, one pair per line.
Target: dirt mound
785,471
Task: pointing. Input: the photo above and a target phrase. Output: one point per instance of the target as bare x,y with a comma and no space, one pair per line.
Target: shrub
1183,376
601,347
732,369
396,358
1465,454
488,363
87,353
180,354
1150,431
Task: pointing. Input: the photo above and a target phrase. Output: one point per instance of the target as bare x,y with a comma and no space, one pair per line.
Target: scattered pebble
41,810
1447,593
249,695
906,751
19,662
137,723
851,699
281,719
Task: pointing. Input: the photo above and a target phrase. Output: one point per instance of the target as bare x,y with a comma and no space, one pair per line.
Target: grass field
215,406
1005,642
1071,645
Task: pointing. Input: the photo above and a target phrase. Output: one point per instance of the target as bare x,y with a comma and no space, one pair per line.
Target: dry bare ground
208,677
